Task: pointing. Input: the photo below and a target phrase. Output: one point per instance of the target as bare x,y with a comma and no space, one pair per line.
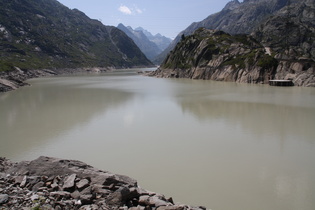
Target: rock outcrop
216,55
13,79
51,183
235,18
290,36
281,47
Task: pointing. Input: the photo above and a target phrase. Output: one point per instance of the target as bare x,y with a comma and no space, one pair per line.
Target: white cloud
139,11
125,10
130,10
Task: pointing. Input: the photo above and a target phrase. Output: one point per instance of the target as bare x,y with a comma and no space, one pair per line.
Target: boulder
82,183
69,182
4,198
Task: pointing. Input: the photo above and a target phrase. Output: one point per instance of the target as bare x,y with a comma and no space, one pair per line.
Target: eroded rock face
290,32
12,80
51,183
215,55
235,18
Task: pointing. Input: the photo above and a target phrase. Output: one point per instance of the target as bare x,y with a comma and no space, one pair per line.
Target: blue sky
168,17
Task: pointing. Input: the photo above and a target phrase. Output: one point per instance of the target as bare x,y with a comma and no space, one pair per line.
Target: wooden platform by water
281,83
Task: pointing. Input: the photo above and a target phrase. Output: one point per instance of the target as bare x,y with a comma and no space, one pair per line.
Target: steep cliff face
281,47
238,18
235,18
290,36
216,55
291,29
45,34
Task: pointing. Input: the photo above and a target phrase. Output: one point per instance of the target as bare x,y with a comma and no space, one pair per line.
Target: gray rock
60,194
157,202
87,199
34,197
119,197
76,194
82,183
4,198
137,208
54,186
100,190
144,200
18,180
37,186
175,207
89,207
86,191
23,183
69,181
58,207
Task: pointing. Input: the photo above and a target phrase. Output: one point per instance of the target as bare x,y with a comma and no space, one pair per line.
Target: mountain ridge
149,48
37,34
150,45
235,18
161,41
281,48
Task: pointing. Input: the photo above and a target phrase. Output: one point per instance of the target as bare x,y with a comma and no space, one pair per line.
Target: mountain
216,55
161,41
291,29
37,34
281,47
150,49
235,18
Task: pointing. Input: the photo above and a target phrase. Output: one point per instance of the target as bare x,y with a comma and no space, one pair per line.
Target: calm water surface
222,145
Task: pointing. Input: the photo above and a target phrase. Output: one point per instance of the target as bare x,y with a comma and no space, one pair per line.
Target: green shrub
267,62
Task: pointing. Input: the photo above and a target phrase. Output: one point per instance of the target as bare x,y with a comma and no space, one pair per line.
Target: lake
217,144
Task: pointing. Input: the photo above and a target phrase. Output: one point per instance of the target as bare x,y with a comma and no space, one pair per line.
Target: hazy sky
168,17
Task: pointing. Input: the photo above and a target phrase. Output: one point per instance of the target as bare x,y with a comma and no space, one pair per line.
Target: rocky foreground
51,183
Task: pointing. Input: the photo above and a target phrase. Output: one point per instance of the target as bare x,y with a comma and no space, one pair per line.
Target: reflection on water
282,122
36,114
221,145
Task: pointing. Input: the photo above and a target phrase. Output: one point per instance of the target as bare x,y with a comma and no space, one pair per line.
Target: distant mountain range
150,45
36,34
235,18
161,41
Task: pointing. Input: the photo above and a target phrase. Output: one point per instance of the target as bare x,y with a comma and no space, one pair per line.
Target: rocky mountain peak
232,5
236,18
150,45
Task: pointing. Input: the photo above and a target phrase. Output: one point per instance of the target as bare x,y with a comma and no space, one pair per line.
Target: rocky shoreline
51,183
12,80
